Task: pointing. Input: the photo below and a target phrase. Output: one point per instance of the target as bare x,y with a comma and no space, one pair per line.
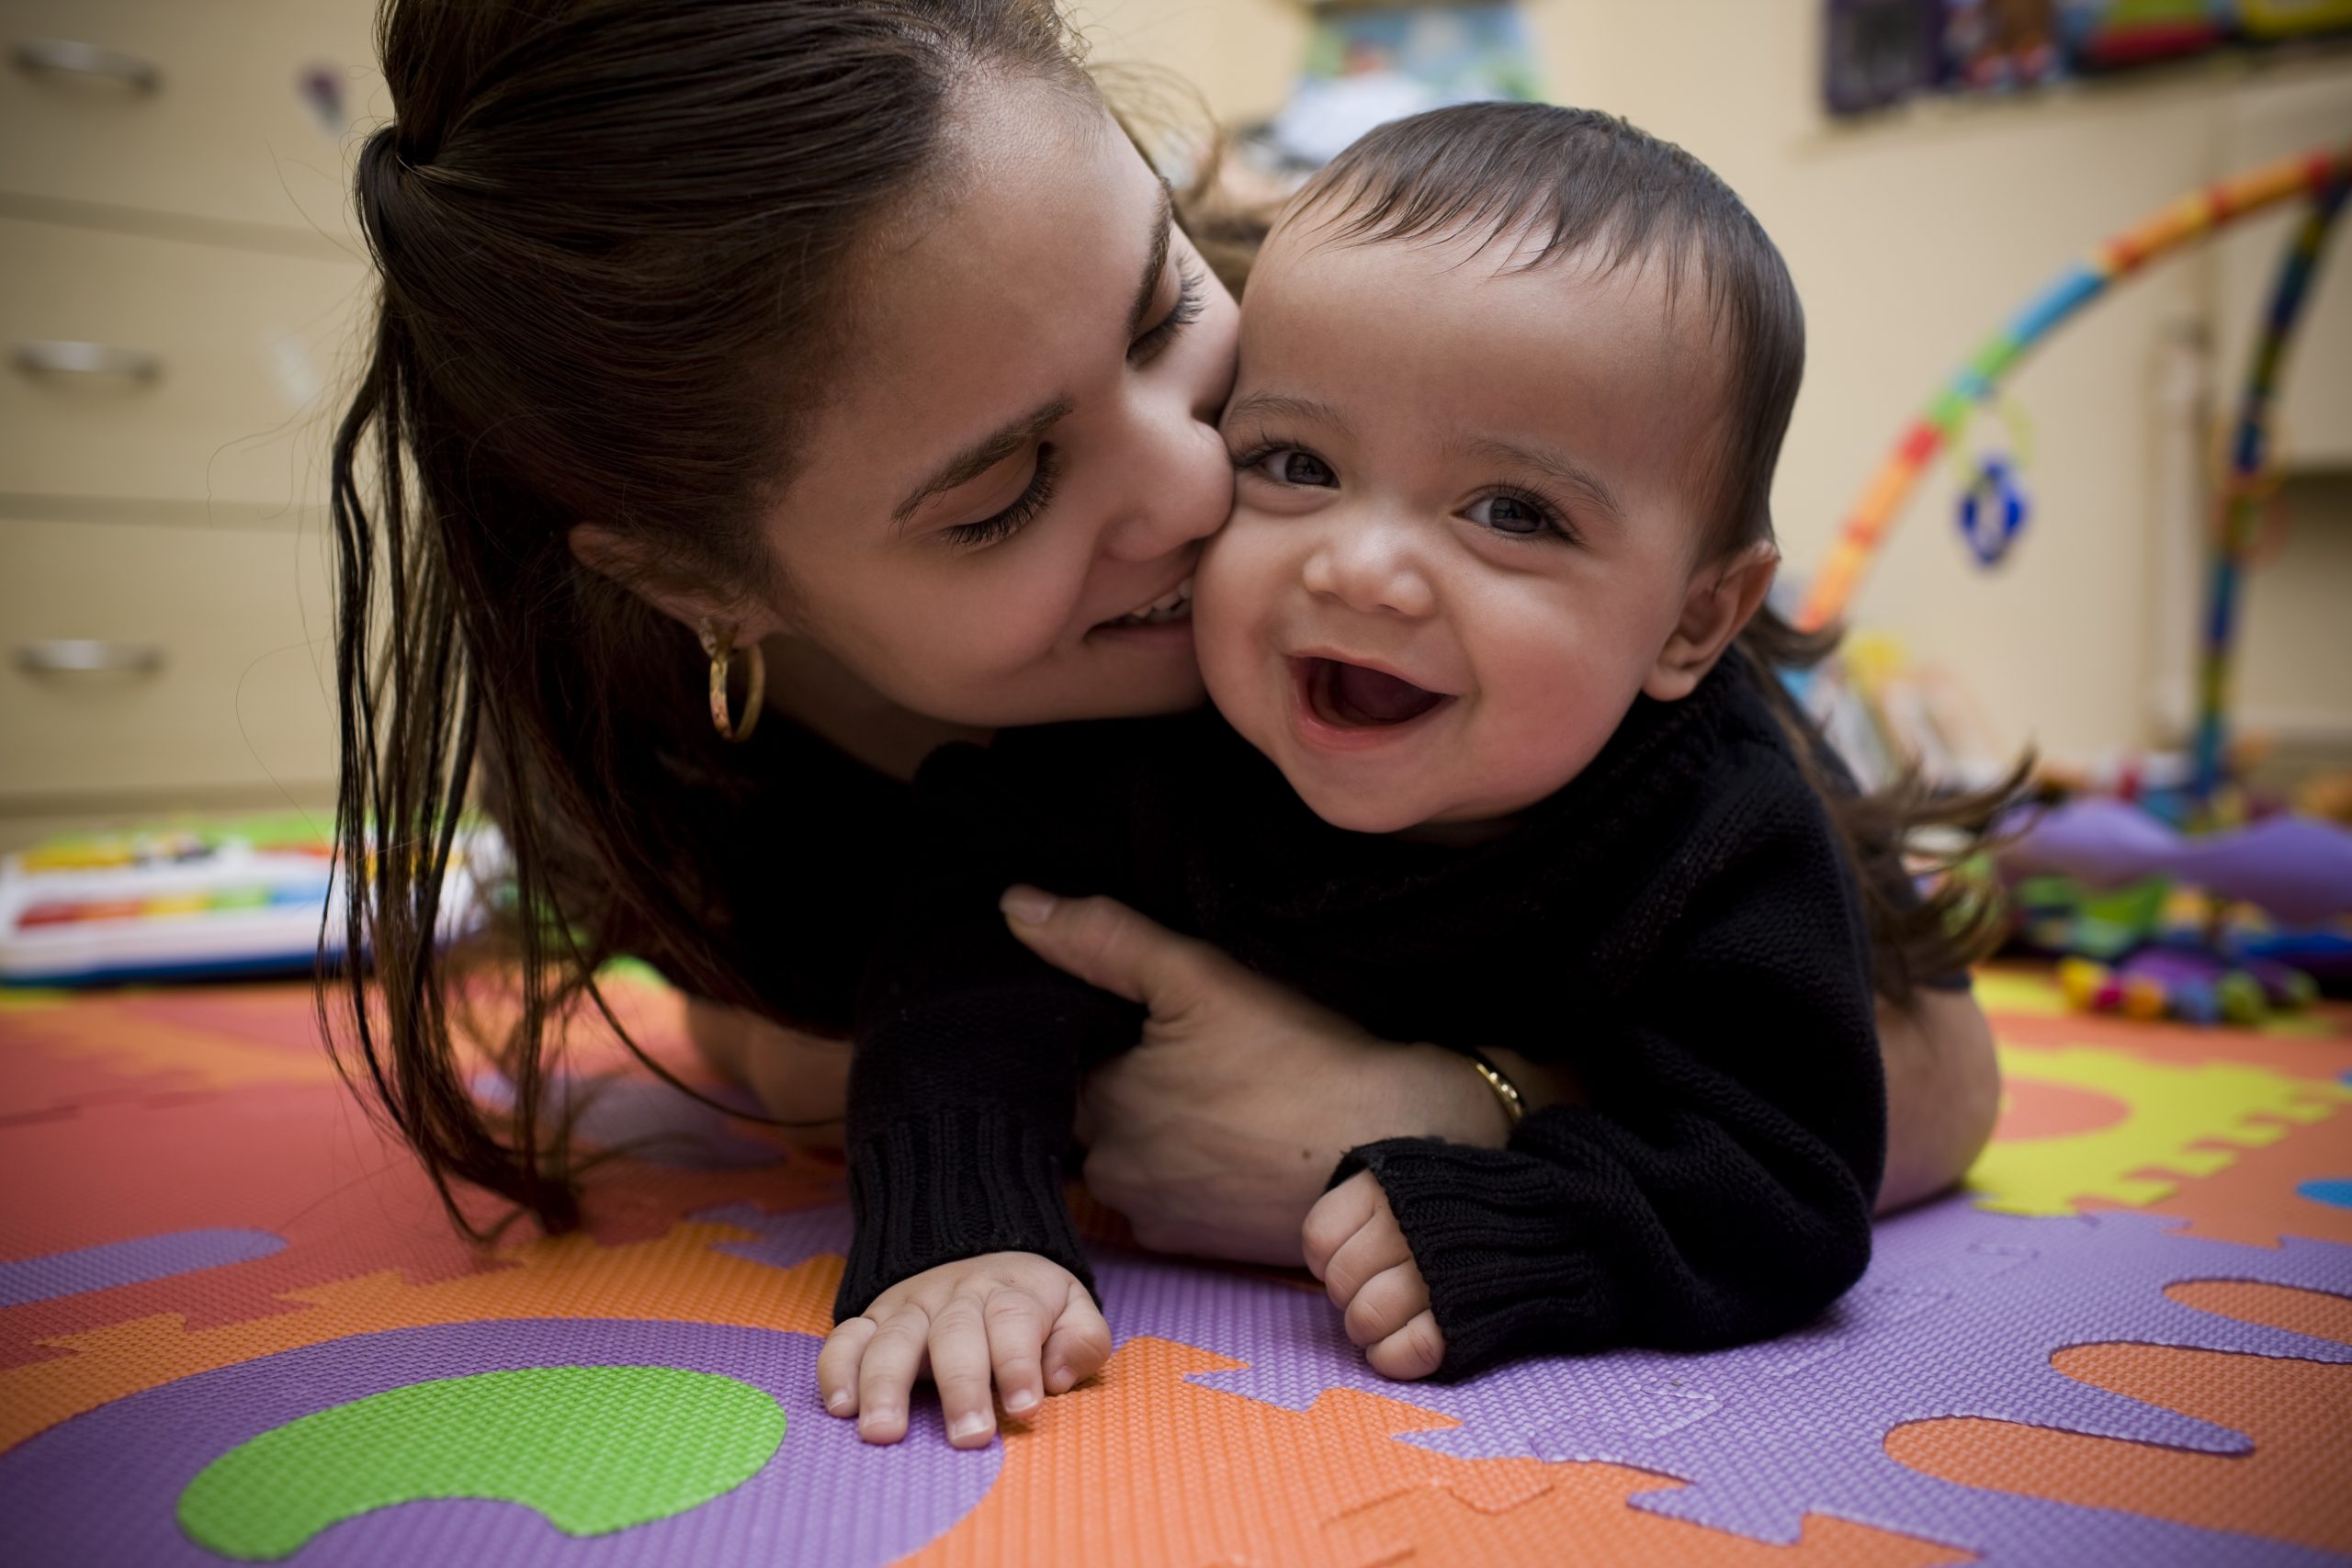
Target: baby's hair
1568,185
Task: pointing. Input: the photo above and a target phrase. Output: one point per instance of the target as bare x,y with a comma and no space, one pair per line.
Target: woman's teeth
1173,606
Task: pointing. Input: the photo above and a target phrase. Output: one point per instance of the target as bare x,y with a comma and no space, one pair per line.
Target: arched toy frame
2324,176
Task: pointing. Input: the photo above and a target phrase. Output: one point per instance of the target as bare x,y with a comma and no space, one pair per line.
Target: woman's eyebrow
985,454
1155,260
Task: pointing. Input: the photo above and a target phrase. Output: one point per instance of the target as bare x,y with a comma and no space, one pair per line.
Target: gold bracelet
1514,1104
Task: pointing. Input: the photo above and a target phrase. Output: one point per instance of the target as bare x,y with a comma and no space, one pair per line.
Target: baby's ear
1719,602
690,602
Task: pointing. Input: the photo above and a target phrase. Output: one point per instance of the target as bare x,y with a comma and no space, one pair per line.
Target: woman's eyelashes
1192,298
1023,510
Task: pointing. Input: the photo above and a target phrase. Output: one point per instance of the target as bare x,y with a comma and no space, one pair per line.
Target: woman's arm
1217,1135
801,1079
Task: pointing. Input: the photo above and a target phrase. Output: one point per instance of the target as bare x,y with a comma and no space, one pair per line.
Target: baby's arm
962,1090
1020,1319
1717,1189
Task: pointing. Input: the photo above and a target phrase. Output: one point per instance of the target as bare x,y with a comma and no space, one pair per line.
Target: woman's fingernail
971,1425
1020,1400
839,1402
1030,906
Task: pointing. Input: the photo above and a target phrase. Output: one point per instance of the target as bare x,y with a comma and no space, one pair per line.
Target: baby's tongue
1368,696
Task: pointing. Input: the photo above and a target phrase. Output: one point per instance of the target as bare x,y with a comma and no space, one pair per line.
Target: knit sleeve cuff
1507,1268
948,1184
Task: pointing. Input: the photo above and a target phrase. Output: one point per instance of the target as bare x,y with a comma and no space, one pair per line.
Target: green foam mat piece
592,1450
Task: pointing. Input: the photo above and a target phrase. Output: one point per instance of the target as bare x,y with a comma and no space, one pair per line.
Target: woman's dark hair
1581,187
611,237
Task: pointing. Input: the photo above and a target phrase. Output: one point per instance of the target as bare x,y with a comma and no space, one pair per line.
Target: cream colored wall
1911,238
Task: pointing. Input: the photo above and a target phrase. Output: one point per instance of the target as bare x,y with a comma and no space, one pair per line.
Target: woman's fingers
1079,1345
1110,946
837,1362
1413,1351
886,1377
1388,1300
959,1365
1336,1216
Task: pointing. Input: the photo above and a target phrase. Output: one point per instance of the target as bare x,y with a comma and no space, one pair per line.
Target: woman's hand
1216,1134
1022,1318
1356,1247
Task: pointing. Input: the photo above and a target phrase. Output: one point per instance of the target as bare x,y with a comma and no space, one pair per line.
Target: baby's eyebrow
1279,405
1557,465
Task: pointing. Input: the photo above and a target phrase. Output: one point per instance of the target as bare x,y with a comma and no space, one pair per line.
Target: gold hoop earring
720,646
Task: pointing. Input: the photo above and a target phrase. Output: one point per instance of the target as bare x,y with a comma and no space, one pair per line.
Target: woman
848,342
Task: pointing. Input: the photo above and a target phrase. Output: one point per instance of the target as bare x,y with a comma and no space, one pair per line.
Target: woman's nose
1368,565
1177,489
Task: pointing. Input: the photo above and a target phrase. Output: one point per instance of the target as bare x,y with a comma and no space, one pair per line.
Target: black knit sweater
1676,925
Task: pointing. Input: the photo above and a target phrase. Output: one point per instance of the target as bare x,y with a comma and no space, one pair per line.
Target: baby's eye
1513,514
1291,466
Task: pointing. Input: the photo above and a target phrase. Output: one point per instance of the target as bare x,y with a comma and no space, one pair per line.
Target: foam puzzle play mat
236,1327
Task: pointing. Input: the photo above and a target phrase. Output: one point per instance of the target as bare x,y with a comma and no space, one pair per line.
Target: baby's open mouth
1353,697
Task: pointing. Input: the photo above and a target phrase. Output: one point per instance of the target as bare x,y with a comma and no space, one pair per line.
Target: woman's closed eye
1192,298
1033,499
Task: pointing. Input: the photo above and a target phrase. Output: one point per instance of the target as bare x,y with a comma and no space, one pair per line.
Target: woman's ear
695,603
1717,604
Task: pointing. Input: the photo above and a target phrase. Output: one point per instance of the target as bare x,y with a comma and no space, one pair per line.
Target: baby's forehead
1650,311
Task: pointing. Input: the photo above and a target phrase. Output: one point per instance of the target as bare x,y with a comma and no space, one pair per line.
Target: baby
1487,769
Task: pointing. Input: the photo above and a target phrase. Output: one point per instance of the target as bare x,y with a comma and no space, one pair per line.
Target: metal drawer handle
51,358
68,57
81,656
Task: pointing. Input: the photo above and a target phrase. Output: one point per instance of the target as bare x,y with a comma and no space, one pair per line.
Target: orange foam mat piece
2289,1487
1144,1469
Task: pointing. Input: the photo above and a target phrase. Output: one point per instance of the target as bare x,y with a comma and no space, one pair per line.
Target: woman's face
998,510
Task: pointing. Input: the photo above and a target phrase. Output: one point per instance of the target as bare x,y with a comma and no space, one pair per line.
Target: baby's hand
1000,1311
1355,1248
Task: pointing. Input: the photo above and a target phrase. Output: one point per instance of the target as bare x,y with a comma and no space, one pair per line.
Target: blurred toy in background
2113,35
1368,63
1879,53
181,902
1883,52
1990,46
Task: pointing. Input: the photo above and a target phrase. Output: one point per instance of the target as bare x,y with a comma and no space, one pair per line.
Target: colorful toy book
175,901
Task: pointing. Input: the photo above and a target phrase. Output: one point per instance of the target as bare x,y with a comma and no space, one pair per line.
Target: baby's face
1464,525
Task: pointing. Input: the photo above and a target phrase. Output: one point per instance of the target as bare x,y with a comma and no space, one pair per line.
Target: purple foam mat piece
1959,1316
786,1240
131,1262
102,1489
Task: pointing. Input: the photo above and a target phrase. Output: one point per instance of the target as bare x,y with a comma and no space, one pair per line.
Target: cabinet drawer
229,363
226,126
214,654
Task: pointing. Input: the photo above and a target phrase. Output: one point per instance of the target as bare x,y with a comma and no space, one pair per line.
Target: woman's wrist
1445,1097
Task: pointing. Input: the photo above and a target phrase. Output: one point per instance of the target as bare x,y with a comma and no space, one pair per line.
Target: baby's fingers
959,1365
1079,1344
837,1364
885,1377
1413,1351
1386,1302
1016,1326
